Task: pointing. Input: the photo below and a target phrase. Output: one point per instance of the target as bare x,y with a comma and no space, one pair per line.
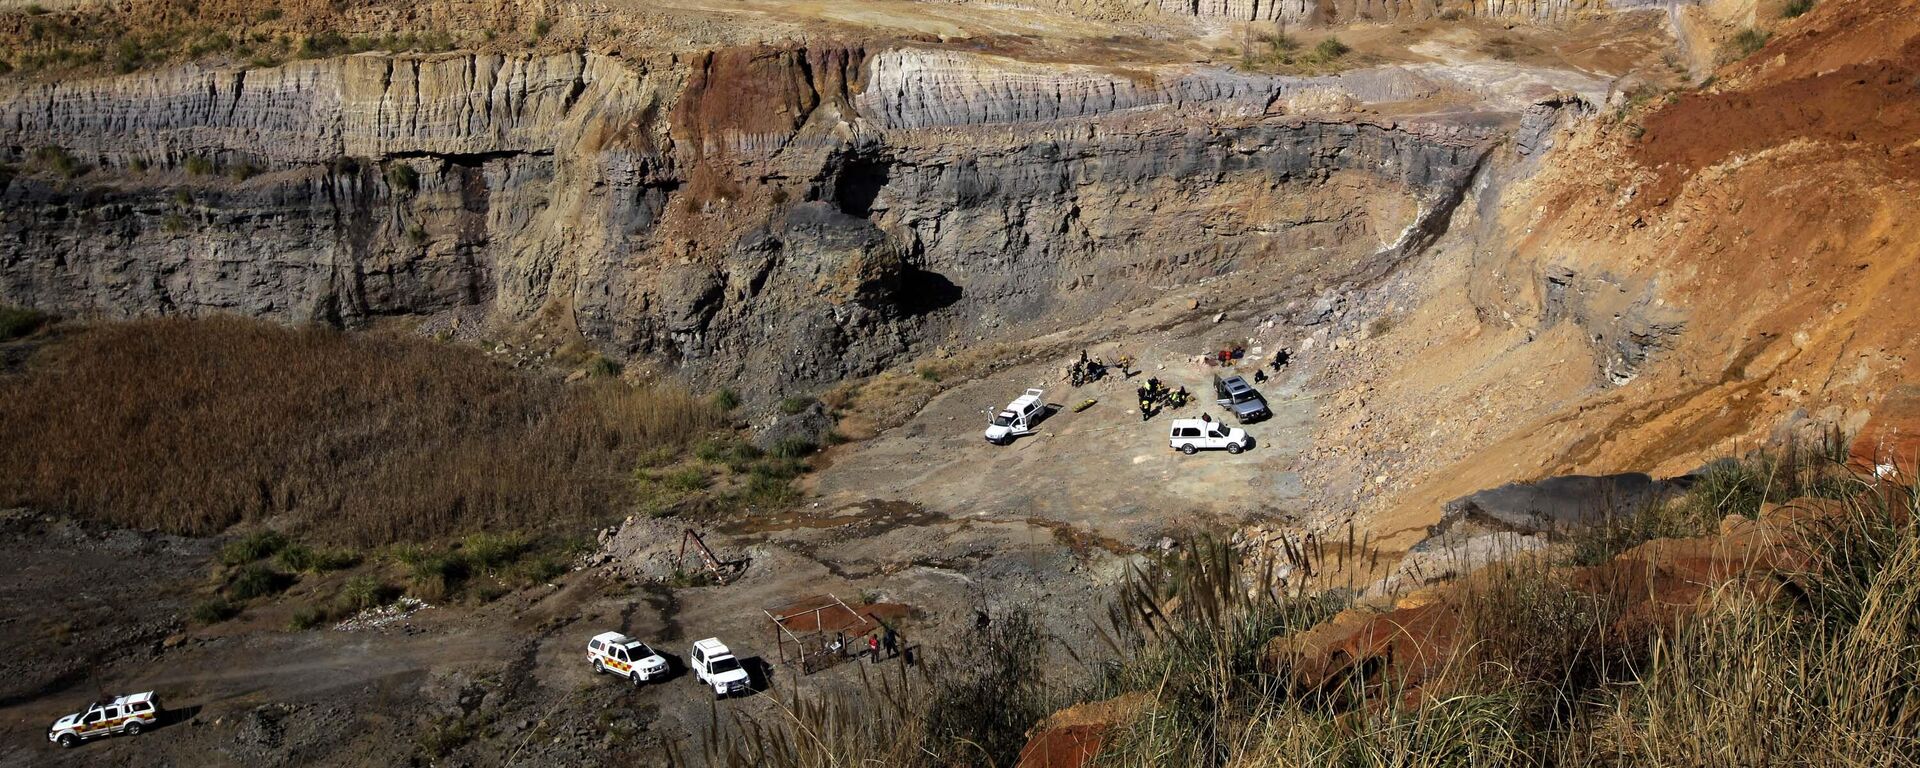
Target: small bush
1749,41
403,178
794,447
601,367
242,171
488,552
270,14
60,162
726,399
417,234
767,491
363,592
36,9
302,559
541,27
1796,8
255,546
173,223
794,405
199,165
257,581
18,322
213,611
1331,48
307,617
687,479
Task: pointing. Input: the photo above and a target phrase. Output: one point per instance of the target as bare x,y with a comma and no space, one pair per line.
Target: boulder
1072,737
1888,448
1553,504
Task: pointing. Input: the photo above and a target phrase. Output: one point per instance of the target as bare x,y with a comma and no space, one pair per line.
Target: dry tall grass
193,426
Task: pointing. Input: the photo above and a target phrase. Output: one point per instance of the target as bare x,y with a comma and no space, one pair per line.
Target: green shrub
417,234
794,447
687,479
60,162
794,405
214,610
19,322
363,592
1331,48
303,559
257,580
541,27
255,546
36,9
307,617
1796,8
199,165
403,178
601,367
1749,41
767,491
173,223
488,552
242,171
726,399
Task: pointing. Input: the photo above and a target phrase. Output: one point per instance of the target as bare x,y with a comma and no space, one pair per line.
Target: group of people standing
1154,396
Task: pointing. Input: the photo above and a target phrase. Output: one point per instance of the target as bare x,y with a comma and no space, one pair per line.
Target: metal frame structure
808,628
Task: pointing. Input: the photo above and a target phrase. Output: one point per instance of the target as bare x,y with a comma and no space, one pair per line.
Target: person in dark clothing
891,642
1259,376
1280,360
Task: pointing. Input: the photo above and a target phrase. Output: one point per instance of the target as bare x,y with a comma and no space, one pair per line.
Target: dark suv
1235,394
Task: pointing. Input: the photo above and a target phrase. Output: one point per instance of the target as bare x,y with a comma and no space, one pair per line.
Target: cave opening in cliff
924,292
858,183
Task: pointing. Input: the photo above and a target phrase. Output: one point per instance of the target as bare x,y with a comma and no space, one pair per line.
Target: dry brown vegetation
194,426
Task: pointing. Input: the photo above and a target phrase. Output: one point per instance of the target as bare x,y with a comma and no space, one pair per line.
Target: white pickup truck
714,665
1189,436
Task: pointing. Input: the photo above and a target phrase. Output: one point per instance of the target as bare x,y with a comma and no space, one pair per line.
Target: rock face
773,217
1329,12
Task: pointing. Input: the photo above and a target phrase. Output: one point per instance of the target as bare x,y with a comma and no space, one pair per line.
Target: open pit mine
1049,384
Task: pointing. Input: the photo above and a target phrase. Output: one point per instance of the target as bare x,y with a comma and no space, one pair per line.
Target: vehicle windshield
727,664
1003,420
1242,396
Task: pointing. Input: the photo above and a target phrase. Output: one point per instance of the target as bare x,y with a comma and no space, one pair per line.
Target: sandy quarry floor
1102,469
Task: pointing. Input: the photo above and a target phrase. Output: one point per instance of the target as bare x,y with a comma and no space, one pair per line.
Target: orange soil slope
1775,215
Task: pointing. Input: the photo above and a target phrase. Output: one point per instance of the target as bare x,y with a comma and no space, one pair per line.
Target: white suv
715,665
126,714
612,652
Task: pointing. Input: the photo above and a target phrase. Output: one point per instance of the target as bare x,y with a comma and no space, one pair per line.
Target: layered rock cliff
774,217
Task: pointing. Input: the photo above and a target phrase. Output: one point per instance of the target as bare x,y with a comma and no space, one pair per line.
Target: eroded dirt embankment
1682,280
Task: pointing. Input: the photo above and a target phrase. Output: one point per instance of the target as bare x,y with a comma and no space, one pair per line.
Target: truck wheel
133,728
68,740
1188,449
1233,447
598,668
